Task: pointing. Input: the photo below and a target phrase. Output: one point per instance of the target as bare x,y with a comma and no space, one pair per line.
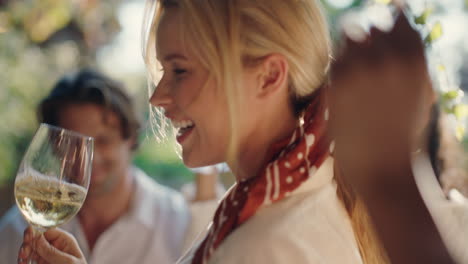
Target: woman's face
190,98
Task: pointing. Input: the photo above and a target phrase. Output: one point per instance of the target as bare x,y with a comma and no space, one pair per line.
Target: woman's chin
194,163
190,162
198,160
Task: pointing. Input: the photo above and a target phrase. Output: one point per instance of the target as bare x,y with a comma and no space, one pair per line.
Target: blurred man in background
127,217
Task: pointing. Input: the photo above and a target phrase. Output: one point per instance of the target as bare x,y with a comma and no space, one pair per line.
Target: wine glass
53,178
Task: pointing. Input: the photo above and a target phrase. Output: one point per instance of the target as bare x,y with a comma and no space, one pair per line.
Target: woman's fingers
24,252
51,254
63,241
26,247
54,246
28,235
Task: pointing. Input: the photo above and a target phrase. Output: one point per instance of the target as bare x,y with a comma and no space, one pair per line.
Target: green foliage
385,2
451,100
460,111
435,33
161,162
39,41
452,95
422,19
46,17
451,103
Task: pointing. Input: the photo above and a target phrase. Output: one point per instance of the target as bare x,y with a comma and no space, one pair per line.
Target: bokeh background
40,40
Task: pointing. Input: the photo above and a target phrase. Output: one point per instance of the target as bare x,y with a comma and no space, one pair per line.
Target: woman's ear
273,75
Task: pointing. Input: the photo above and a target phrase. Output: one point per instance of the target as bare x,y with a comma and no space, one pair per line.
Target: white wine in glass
53,178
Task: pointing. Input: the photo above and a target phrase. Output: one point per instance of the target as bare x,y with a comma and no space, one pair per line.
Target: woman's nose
161,96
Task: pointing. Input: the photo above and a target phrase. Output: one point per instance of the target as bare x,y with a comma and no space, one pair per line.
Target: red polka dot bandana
294,160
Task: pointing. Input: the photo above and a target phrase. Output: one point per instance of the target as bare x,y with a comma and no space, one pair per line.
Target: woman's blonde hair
229,35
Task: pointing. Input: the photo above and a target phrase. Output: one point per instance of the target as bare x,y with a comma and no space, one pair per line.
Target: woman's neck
255,149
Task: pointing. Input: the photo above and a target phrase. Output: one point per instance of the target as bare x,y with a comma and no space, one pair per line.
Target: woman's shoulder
307,227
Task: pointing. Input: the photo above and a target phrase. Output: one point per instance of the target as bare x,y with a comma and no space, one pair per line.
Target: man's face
112,153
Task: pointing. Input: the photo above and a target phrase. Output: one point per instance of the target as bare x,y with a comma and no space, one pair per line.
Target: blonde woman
244,82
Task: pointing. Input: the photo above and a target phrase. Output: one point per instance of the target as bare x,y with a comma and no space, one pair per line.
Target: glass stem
35,235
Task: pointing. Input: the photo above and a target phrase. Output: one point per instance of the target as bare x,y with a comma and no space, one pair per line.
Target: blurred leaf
460,132
442,67
422,19
385,2
46,19
460,111
435,34
452,95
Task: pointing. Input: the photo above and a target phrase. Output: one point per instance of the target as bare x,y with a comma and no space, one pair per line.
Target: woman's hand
381,97
55,246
